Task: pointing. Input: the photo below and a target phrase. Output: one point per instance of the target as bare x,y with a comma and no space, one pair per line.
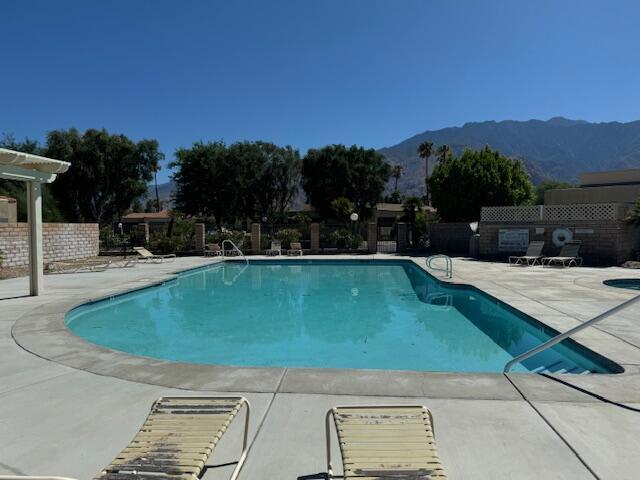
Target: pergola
34,170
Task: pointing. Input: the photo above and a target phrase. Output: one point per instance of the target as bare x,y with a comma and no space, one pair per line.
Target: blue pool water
630,283
324,314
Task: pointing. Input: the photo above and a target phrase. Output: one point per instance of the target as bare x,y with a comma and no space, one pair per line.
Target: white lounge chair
146,255
532,257
295,249
213,250
175,442
276,248
568,256
384,442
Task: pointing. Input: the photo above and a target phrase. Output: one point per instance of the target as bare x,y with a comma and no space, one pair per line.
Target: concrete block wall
603,242
61,241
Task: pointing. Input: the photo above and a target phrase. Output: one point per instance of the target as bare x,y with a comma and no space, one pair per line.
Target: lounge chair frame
77,267
565,260
213,252
276,249
175,441
295,249
528,259
380,474
146,256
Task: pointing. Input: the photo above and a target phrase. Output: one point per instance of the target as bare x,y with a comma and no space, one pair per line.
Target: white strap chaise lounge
295,249
175,442
385,442
146,255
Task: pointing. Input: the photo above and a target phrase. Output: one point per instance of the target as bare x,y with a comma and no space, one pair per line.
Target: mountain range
556,149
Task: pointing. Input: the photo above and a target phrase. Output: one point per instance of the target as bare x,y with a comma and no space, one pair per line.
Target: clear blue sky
309,73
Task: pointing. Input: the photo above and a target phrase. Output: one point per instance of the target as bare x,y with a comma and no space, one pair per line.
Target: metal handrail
560,337
235,247
449,264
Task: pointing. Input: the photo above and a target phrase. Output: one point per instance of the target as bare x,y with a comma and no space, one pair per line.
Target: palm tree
396,173
155,181
424,151
443,153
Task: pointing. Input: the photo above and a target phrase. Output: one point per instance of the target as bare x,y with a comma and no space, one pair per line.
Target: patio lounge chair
146,255
567,257
175,441
295,249
276,248
385,441
82,266
213,250
533,255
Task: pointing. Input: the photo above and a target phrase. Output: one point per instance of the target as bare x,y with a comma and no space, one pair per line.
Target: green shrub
159,243
287,236
108,240
236,236
343,238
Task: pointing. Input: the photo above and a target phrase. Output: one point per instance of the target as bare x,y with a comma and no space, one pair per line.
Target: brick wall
450,237
603,242
61,241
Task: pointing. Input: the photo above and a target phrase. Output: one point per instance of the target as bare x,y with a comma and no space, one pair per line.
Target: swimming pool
630,283
371,314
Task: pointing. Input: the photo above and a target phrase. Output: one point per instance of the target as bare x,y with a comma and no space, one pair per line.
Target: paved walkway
59,420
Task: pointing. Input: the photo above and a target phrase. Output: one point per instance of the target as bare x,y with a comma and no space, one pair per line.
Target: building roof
164,215
29,161
610,178
7,199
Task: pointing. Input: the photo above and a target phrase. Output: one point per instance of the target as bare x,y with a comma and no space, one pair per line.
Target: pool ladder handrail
448,264
560,337
235,247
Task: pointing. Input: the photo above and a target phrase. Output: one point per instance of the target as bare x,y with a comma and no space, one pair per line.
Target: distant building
8,210
618,186
383,213
155,220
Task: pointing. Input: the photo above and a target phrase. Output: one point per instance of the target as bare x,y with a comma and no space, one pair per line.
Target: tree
396,173
633,217
425,149
548,185
205,181
276,184
242,180
50,208
462,186
444,153
411,205
107,173
355,173
342,208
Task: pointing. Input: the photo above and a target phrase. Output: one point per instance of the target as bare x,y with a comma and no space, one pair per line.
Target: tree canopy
335,171
460,187
107,174
245,179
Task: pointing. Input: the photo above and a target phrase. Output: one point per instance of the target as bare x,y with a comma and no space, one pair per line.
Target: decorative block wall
61,241
603,242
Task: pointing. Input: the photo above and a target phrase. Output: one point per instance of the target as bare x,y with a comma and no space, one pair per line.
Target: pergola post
34,212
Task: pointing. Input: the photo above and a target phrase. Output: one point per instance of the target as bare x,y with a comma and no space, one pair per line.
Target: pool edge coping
42,332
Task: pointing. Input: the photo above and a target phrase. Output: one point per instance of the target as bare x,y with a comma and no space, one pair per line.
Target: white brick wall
61,241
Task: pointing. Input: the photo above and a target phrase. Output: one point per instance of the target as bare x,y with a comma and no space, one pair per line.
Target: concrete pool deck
70,413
